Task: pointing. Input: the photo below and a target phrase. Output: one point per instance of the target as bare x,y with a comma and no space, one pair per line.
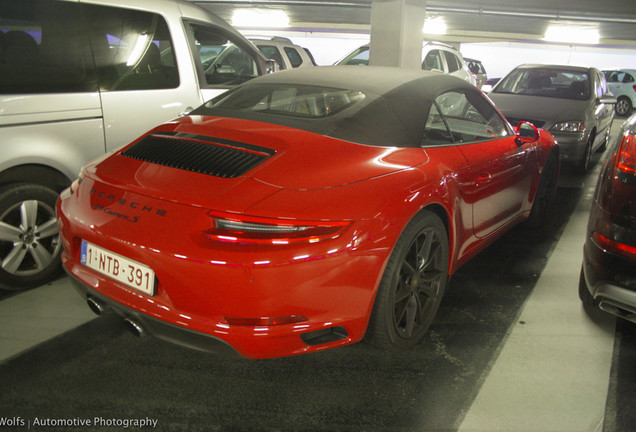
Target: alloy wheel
418,285
29,238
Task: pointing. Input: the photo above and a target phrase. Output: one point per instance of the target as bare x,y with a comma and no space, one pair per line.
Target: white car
622,84
436,56
287,54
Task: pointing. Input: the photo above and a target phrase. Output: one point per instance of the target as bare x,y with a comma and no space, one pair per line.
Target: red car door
497,178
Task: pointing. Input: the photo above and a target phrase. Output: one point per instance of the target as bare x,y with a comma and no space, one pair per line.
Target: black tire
584,292
412,286
29,238
586,160
623,106
546,191
603,146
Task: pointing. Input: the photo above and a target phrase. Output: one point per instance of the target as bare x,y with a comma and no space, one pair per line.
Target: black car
608,274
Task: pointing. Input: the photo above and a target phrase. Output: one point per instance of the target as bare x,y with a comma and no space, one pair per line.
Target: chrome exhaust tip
134,327
96,306
619,310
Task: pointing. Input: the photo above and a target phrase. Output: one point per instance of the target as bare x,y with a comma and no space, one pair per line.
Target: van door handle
186,112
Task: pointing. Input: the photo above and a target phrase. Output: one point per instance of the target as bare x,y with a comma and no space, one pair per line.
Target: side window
224,63
359,57
600,84
433,61
132,49
42,48
294,58
452,61
436,131
628,78
469,117
271,52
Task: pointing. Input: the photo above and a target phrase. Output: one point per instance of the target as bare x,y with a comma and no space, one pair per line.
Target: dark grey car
573,103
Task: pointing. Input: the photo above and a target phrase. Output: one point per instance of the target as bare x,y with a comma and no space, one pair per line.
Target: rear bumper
158,328
611,280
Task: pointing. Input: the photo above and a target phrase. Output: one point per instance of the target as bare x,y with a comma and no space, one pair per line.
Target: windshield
547,82
288,100
359,57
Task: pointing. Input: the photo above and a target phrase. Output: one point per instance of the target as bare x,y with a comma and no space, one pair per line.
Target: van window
42,48
132,49
223,62
294,58
271,52
452,61
433,61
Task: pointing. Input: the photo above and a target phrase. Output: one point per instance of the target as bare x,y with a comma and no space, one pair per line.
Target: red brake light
613,245
252,230
626,157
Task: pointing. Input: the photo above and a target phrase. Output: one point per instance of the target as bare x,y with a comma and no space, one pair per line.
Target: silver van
82,78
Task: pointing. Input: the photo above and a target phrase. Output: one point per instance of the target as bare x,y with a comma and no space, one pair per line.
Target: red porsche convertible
303,210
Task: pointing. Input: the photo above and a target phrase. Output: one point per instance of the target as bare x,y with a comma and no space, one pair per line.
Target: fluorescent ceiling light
571,34
259,18
435,25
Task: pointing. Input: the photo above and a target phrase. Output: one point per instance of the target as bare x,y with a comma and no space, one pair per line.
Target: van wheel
412,286
29,238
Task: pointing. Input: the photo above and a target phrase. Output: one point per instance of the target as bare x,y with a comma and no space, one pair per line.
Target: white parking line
553,370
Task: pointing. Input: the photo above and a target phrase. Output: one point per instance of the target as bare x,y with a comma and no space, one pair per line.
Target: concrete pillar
396,33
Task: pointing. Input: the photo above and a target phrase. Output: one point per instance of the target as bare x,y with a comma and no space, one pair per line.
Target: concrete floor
547,365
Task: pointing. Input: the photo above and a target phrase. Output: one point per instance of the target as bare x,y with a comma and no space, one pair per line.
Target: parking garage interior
512,348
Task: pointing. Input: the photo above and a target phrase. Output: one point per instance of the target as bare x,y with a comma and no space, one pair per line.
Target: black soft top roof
393,113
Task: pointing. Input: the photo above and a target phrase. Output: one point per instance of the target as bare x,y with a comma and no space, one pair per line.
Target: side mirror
526,133
271,66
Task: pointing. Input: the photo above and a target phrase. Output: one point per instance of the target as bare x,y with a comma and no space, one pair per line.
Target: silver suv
287,54
82,78
436,56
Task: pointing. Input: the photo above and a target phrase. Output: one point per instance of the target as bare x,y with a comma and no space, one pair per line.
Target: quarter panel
53,144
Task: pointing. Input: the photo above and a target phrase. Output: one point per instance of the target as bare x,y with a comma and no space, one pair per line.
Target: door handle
186,112
483,178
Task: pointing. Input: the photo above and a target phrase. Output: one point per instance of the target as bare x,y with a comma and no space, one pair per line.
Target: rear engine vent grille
201,154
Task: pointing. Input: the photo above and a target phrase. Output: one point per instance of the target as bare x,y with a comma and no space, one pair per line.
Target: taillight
253,230
626,157
613,246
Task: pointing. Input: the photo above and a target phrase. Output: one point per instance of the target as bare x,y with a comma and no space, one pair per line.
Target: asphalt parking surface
99,370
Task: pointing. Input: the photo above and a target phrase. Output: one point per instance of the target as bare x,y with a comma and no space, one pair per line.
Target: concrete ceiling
467,21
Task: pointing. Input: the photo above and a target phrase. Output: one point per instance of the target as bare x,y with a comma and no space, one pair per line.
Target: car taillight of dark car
617,232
